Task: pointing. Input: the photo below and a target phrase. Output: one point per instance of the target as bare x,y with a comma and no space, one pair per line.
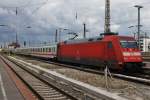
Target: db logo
130,49
132,54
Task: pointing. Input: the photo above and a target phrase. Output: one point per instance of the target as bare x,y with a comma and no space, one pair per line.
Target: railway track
143,78
145,74
47,86
41,89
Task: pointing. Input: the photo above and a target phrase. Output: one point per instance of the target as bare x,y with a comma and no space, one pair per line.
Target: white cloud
45,16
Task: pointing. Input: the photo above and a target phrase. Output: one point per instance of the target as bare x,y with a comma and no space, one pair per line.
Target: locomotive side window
110,45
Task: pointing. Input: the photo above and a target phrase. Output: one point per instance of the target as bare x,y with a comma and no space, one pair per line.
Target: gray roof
83,40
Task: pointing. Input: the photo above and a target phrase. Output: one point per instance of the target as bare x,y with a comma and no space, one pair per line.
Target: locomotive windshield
129,44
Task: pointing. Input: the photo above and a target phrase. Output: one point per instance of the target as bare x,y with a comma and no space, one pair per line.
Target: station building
145,44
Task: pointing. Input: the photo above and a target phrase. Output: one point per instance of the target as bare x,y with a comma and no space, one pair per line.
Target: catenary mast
107,17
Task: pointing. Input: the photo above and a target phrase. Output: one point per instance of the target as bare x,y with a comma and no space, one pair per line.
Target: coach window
45,49
51,49
54,49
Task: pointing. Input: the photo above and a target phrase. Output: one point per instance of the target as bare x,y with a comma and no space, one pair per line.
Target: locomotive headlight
126,53
131,54
125,58
137,54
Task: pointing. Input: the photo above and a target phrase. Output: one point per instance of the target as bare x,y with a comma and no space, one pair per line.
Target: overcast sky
45,16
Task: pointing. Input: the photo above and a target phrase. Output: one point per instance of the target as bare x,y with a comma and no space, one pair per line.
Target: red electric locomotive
119,52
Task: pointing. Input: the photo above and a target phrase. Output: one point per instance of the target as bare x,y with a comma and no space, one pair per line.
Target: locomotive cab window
129,44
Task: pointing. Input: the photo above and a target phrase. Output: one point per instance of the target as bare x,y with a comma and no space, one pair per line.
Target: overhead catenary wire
42,4
27,5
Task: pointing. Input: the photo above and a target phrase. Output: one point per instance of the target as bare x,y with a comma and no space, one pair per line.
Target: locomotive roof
52,45
129,38
126,38
83,40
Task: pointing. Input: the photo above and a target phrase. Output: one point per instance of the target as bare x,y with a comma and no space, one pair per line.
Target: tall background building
145,43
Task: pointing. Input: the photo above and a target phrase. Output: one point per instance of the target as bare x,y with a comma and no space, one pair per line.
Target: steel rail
40,88
139,79
86,91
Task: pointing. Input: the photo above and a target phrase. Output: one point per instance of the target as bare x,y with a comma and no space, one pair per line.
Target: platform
8,89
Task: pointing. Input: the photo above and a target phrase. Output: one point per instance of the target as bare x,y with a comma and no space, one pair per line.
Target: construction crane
107,17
